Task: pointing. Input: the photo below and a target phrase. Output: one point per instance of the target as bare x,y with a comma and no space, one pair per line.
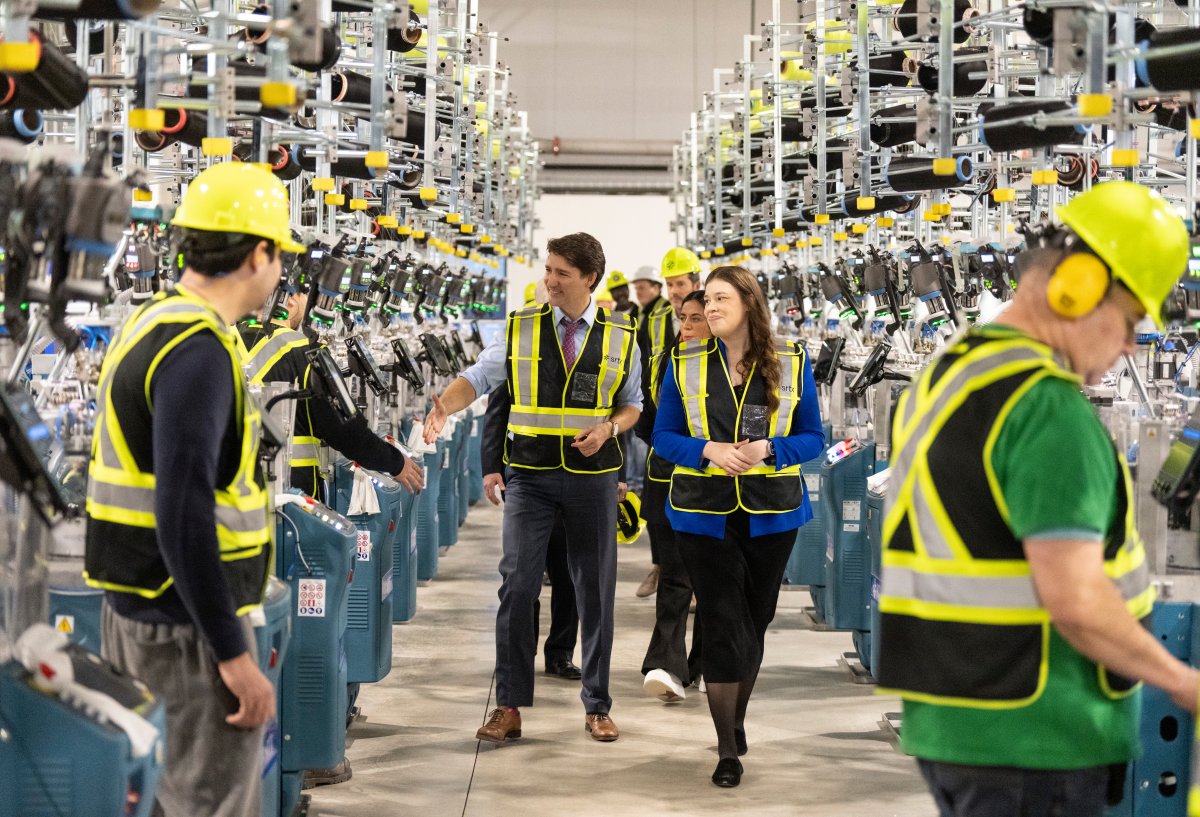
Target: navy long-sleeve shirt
195,443
673,441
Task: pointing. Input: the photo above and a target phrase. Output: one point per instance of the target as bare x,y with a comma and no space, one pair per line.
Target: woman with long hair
667,667
737,416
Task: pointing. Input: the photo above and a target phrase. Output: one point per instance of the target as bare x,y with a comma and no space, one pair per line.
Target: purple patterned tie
568,343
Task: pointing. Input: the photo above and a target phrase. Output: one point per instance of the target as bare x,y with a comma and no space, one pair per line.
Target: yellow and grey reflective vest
961,622
716,412
122,551
261,359
657,468
659,321
550,404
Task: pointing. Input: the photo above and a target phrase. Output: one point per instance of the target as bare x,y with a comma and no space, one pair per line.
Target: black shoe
739,738
327,777
563,668
728,773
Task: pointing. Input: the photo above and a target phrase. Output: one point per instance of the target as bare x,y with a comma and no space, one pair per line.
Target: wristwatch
770,452
616,427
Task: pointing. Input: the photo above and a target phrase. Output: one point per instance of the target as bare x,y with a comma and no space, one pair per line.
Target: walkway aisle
815,749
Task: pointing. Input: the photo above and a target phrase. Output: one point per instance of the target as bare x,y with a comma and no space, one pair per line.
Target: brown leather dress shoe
601,727
503,724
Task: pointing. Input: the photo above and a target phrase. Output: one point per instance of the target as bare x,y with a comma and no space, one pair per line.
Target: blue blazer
673,441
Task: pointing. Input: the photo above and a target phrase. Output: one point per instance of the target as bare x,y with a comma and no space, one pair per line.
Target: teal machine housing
475,462
448,498
271,635
428,532
369,619
404,561
806,565
462,469
844,600
62,758
316,550
866,643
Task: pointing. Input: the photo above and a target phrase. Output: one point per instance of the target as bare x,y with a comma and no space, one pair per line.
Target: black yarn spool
343,167
1009,127
906,19
964,84
57,84
894,134
22,125
278,158
834,154
348,86
1143,29
795,166
331,44
189,127
833,103
1039,25
95,34
1177,73
1071,168
152,141
405,38
102,10
791,129
883,204
912,174
197,89
887,69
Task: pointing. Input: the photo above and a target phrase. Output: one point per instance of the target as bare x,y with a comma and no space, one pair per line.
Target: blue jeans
1002,791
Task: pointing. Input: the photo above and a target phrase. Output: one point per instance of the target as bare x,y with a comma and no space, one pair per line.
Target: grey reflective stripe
1134,583
995,592
236,521
124,497
554,421
614,364
948,390
524,361
658,327
261,359
789,375
693,381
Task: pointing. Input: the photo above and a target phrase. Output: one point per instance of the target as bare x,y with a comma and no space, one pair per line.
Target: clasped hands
737,458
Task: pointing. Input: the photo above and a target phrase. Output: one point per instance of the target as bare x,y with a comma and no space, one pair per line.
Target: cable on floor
479,744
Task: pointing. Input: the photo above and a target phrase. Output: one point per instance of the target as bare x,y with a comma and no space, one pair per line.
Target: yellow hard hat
617,279
238,197
531,292
1137,233
629,519
679,261
602,295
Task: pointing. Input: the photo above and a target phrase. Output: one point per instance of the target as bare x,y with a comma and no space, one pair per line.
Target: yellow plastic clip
142,195
20,58
945,167
376,159
277,95
941,208
322,184
930,215
387,222
1194,129
766,251
358,204
747,242
706,254
1045,178
467,229
404,230
885,222
946,239
865,202
461,253
816,241
336,199
858,229
801,243
1125,158
822,218
719,251
1091,105
147,119
428,194
840,236
419,235
1001,194
778,232
485,239
453,218
216,146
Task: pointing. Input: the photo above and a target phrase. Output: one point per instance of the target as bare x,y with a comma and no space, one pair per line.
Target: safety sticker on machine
386,586
311,598
364,546
851,510
64,624
813,483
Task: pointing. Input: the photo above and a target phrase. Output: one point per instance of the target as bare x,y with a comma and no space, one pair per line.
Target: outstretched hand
435,421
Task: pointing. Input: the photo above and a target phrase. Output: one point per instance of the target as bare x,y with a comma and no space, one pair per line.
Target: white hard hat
647,273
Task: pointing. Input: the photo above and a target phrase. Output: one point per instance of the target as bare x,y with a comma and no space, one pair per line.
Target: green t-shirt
1054,463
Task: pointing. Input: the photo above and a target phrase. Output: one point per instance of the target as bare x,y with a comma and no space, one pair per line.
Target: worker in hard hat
178,525
618,286
1014,581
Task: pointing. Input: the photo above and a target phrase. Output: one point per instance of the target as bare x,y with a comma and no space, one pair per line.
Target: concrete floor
815,746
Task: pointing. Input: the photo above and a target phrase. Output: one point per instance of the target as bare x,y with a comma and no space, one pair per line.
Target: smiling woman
737,416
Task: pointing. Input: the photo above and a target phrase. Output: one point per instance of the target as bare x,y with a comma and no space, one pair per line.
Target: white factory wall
634,230
618,69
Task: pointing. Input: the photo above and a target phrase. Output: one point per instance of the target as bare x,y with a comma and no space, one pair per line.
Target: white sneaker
663,685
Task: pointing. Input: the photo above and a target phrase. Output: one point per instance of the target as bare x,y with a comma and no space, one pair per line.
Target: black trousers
531,503
668,642
736,580
564,618
1000,791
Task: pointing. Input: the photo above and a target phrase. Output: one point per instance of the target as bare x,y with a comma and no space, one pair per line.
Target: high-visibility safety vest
715,412
657,468
550,404
659,321
961,622
260,360
122,552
